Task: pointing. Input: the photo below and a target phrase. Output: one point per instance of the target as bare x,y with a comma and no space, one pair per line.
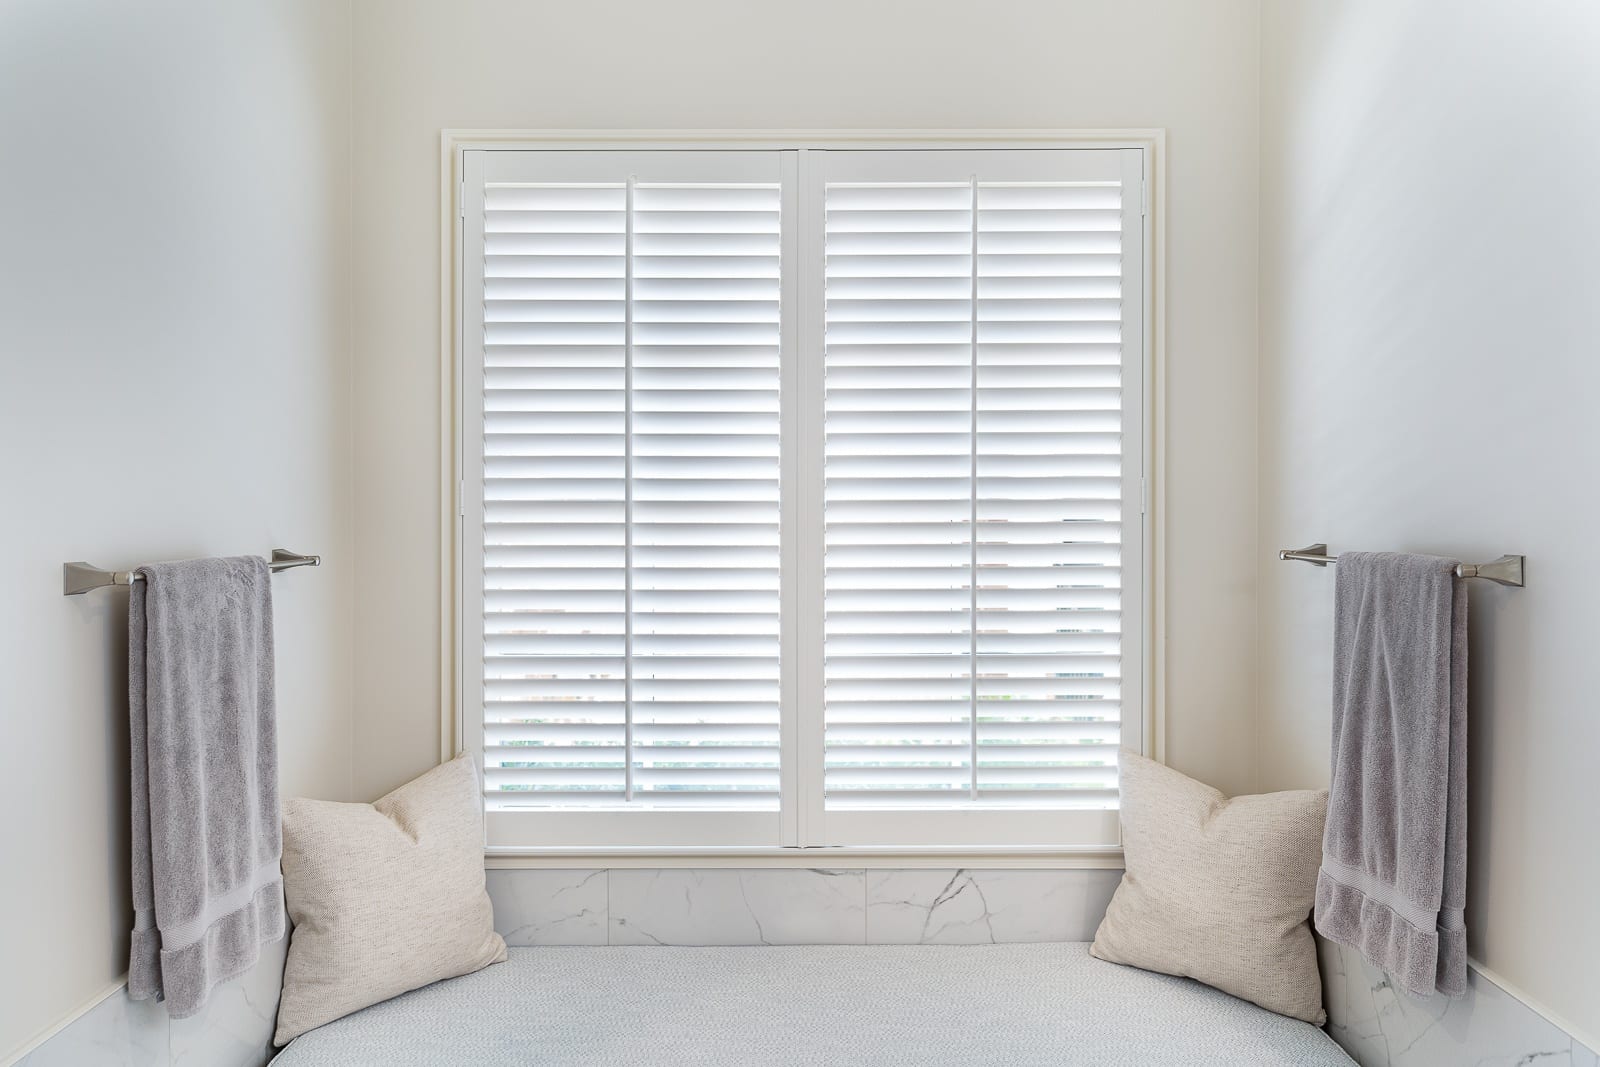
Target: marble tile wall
969,907
792,906
233,1030
1380,1026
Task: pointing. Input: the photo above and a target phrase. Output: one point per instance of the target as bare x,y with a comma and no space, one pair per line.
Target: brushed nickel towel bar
1507,570
81,577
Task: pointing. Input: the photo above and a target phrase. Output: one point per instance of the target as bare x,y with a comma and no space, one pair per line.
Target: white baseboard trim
65,1021
1533,1004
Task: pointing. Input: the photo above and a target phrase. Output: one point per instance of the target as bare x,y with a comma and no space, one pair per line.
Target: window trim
455,142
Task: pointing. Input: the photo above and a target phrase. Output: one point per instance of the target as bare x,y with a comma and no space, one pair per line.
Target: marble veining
732,906
1381,1026
550,907
115,1031
234,1029
729,906
967,907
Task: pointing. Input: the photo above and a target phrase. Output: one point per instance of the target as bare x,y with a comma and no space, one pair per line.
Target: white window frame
801,822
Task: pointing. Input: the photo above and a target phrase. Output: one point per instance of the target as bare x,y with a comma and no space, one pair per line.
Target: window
802,494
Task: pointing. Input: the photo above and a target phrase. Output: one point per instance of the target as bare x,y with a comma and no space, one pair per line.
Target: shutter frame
514,833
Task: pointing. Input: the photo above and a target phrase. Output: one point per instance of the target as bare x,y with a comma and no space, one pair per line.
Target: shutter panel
630,494
973,491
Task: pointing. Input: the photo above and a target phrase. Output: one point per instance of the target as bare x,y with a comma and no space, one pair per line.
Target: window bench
1010,1005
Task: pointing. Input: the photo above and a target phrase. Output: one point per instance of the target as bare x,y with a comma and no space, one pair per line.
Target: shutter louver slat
631,495
973,485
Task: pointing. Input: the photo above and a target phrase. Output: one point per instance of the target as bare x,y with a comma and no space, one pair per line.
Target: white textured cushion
1217,889
815,1006
385,897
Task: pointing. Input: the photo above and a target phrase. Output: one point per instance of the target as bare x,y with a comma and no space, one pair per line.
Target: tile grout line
866,912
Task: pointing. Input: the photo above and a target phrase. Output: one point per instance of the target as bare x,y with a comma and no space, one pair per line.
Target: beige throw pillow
385,897
1218,890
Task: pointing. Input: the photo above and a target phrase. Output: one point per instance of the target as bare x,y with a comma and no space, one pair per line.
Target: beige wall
424,66
179,202
1429,383
173,382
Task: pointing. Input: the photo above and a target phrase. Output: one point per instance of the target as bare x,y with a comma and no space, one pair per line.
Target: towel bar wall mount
80,577
1507,570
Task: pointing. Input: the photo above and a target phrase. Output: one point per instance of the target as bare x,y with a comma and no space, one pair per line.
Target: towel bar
80,577
1507,570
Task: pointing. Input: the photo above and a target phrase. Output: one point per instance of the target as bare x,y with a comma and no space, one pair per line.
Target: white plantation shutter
801,495
974,488
630,484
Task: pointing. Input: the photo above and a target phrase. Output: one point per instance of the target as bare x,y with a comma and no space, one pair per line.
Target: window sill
830,857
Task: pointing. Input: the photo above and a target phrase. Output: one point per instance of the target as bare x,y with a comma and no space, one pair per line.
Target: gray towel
1393,881
207,888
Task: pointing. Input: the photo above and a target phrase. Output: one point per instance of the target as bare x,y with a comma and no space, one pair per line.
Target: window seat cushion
1011,1005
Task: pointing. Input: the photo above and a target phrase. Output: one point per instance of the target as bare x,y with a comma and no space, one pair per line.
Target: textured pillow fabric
385,897
1218,890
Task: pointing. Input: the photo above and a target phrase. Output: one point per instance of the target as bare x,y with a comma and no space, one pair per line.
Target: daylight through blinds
631,497
973,493
801,494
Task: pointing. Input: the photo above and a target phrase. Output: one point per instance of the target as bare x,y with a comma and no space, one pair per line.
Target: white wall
174,381
422,65
1429,381
174,205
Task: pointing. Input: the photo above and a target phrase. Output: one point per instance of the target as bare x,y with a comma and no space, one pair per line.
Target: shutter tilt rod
1507,570
81,577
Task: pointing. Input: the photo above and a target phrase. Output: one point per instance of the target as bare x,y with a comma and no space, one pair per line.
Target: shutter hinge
461,200
461,498
1144,196
1144,495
